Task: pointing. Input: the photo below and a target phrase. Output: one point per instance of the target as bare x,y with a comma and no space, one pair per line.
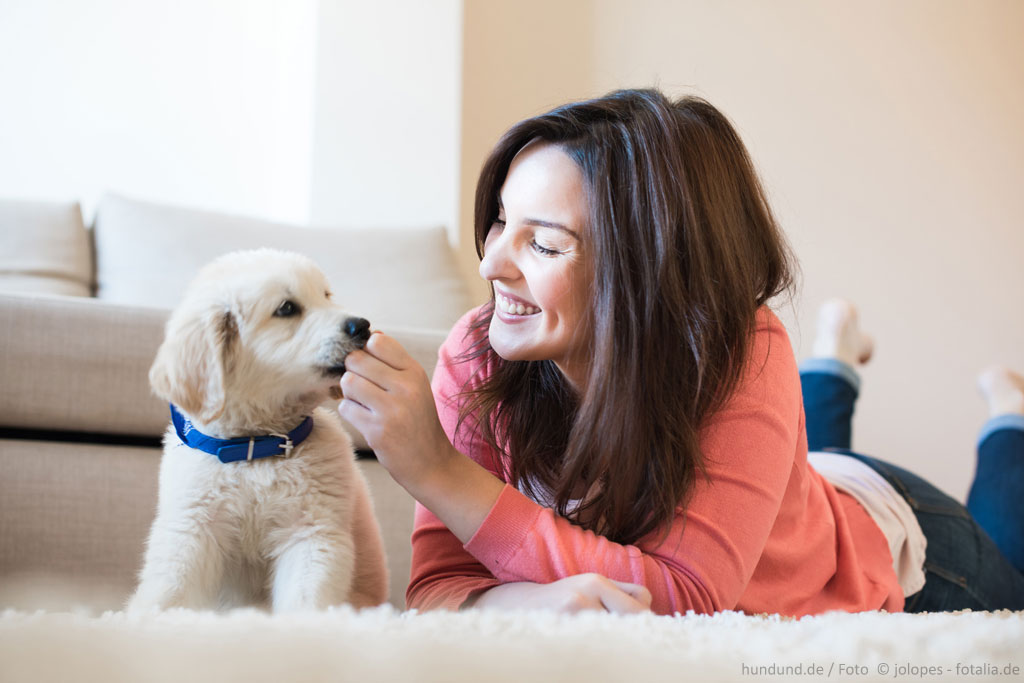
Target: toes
867,348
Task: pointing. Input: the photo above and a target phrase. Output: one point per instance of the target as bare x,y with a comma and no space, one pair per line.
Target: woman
621,427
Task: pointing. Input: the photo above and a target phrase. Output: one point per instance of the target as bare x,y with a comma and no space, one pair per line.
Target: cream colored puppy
254,506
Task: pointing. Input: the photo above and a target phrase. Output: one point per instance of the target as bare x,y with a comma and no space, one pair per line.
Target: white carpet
385,645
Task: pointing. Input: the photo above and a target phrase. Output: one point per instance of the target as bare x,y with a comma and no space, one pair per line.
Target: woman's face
534,256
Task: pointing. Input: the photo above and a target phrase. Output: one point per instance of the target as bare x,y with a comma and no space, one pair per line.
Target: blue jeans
975,554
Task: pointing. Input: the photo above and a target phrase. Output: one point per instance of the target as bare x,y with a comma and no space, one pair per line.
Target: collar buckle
288,446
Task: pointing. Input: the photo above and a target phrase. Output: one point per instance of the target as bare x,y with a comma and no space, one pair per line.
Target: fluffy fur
293,533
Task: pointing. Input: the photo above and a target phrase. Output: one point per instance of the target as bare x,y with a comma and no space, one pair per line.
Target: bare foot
1003,389
839,335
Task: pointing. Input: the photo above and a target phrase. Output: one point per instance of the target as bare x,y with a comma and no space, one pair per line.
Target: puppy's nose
357,328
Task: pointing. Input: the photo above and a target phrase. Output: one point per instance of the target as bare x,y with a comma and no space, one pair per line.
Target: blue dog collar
233,450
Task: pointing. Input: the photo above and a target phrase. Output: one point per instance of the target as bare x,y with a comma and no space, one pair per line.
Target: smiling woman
635,236
622,426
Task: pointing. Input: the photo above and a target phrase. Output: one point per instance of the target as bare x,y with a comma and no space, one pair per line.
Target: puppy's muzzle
356,332
358,329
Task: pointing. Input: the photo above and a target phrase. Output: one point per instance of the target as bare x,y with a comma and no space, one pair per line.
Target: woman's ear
191,363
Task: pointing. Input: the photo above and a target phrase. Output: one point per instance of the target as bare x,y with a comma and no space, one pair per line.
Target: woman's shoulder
769,332
771,362
769,380
767,320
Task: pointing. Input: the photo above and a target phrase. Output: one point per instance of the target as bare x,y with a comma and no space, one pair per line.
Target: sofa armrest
77,364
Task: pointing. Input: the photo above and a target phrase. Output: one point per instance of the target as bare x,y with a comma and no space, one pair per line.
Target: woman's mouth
506,305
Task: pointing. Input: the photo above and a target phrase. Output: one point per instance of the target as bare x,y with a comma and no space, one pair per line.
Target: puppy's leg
183,567
312,570
370,584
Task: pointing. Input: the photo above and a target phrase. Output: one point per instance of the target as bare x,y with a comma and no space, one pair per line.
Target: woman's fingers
639,593
386,349
386,363
387,397
371,368
359,389
594,591
615,599
572,594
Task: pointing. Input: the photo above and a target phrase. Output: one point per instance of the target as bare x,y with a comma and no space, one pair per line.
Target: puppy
260,500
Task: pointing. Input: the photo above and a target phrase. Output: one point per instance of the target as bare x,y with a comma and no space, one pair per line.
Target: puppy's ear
191,363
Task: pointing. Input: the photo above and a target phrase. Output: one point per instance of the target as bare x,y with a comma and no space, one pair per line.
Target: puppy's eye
288,309
327,294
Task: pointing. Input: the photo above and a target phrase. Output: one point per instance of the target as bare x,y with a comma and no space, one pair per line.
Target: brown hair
684,250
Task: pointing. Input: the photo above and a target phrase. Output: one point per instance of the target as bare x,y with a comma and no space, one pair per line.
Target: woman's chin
505,352
507,349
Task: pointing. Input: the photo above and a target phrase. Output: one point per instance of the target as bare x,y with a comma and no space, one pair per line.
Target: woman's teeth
510,306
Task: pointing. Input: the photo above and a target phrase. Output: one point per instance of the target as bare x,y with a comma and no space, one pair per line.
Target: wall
193,102
336,113
387,115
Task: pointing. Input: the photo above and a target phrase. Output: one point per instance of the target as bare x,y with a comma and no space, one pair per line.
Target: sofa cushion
147,253
44,248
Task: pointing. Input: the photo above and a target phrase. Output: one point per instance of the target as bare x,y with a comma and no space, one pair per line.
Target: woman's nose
496,262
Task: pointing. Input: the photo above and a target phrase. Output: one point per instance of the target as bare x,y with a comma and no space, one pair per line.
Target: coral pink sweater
767,534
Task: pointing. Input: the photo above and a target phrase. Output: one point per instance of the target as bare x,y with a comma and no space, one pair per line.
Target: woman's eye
543,250
287,309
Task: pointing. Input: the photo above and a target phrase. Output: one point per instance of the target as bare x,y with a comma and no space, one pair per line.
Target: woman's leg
829,380
996,497
964,568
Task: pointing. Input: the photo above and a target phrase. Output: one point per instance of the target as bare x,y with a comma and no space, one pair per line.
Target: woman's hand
388,398
571,594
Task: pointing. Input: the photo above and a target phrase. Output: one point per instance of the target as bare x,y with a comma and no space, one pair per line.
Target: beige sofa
81,315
